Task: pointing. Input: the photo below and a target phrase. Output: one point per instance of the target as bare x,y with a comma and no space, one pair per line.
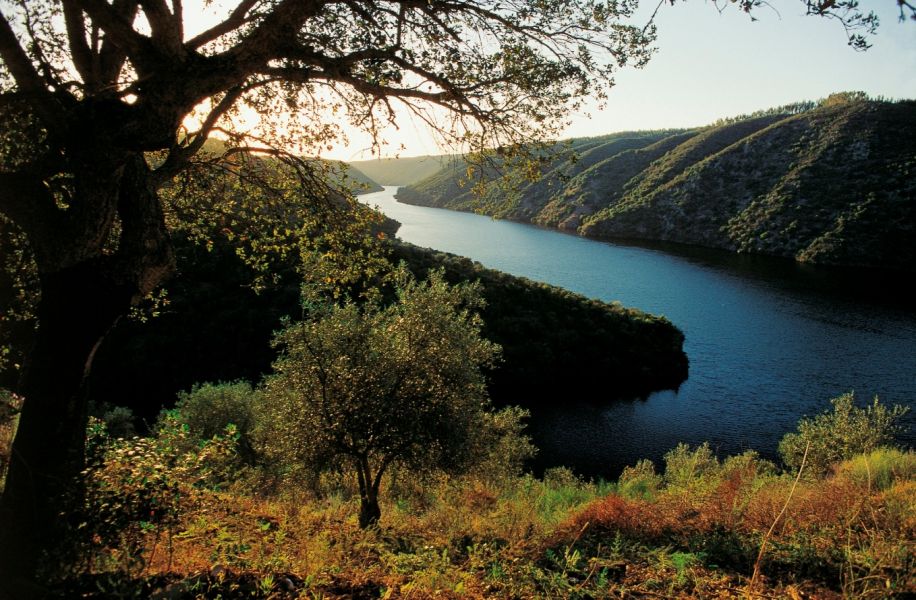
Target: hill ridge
830,184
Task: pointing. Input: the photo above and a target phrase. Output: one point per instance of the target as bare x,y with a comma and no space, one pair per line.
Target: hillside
359,182
555,343
832,184
401,171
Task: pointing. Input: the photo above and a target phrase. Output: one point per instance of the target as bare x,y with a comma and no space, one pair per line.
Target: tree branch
82,56
120,30
17,61
179,155
236,19
25,75
164,26
281,25
112,55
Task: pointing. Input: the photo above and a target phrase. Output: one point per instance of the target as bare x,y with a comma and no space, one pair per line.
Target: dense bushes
831,437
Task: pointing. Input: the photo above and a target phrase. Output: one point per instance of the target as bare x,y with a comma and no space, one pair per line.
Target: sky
712,64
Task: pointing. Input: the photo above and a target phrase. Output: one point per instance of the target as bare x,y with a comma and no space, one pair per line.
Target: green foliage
880,468
639,481
120,421
506,448
686,468
18,290
209,408
373,386
131,494
277,216
840,434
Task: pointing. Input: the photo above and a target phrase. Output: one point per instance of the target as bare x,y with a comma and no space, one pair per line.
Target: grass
692,531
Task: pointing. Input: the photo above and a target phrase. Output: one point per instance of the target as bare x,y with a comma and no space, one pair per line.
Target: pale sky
712,64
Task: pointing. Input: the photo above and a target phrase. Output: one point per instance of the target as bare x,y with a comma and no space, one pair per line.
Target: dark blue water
768,341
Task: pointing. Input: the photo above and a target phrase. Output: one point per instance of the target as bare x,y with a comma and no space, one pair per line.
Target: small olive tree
371,386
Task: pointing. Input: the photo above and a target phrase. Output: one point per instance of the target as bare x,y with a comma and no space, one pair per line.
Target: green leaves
841,434
383,384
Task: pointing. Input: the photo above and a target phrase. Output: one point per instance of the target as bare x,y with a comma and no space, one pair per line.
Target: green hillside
829,182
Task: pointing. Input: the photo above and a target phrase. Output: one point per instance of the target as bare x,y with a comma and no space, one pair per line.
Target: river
768,340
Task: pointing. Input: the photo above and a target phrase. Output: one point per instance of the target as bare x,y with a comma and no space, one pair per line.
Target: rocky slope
833,184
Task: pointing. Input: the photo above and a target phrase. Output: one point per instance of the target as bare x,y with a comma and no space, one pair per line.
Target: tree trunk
77,307
81,299
369,511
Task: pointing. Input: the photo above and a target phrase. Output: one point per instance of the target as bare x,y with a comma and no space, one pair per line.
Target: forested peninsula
215,327
828,182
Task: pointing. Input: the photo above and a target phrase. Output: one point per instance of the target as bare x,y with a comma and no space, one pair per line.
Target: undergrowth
173,516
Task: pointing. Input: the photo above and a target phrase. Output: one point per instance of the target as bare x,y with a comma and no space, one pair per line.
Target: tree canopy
379,386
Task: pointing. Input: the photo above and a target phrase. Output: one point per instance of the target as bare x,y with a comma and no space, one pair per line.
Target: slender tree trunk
369,511
77,307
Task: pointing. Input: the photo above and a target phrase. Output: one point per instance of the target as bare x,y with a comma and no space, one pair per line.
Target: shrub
507,446
840,434
880,468
119,420
132,494
208,408
640,481
686,468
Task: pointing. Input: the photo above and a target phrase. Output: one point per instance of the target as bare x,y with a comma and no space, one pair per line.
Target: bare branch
82,55
236,19
27,78
120,31
179,155
17,61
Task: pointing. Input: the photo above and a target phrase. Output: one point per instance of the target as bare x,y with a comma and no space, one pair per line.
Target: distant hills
829,182
402,171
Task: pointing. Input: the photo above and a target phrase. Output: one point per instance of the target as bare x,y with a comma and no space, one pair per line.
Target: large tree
94,101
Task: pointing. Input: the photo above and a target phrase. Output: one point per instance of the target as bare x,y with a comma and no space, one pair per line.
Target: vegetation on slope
359,182
828,182
215,327
457,186
184,515
212,325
